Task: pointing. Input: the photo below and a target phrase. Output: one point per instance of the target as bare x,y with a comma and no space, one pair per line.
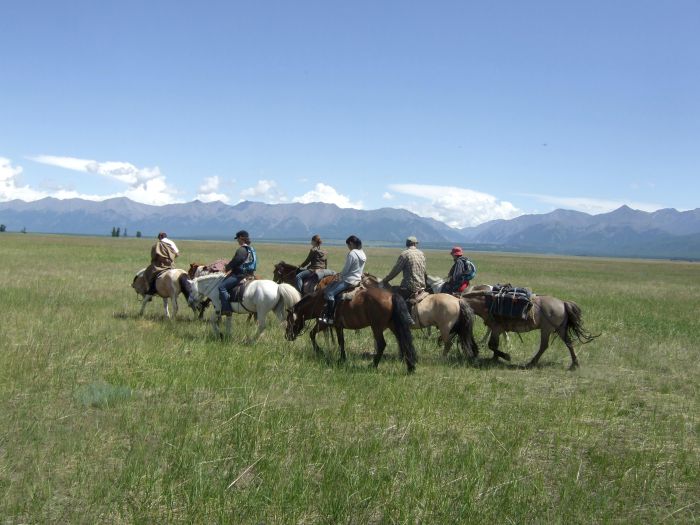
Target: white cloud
146,185
456,207
208,191
328,194
387,196
592,206
11,188
266,191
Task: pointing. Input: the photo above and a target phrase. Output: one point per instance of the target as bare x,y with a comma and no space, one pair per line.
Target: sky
463,111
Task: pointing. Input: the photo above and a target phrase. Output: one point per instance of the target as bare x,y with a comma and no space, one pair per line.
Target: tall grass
107,417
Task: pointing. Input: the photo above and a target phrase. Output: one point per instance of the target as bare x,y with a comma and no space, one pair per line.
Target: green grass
107,417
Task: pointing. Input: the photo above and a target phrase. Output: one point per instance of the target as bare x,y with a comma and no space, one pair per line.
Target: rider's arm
307,260
396,269
238,258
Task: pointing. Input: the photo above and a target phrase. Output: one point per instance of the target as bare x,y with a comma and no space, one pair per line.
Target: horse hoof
574,366
506,357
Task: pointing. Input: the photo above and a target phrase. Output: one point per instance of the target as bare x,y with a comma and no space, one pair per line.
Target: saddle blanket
510,302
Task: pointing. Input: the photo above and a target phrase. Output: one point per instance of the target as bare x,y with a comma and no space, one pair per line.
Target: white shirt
354,266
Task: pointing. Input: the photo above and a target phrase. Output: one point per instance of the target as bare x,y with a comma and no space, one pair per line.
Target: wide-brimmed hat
243,234
457,251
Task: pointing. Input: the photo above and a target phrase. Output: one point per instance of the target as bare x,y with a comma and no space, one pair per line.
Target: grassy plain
111,418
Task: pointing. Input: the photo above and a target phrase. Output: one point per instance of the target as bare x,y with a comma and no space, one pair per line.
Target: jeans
225,286
304,274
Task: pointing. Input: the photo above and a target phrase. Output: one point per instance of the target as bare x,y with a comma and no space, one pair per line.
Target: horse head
284,272
192,272
298,315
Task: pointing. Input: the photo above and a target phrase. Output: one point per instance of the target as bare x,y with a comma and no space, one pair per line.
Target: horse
260,297
549,315
169,285
373,307
452,317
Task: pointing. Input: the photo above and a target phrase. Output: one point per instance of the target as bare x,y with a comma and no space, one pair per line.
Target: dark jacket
234,265
316,260
461,271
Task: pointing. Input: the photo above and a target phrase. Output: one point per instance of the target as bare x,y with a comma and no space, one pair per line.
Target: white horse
169,285
261,296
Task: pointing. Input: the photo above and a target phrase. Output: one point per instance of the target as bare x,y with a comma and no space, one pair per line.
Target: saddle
349,293
236,294
507,301
309,284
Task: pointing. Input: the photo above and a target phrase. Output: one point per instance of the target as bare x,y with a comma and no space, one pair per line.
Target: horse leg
144,302
379,345
228,325
570,345
341,343
446,339
165,307
493,345
544,343
312,335
261,327
214,320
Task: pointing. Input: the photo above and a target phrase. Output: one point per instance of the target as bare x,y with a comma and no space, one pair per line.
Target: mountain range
624,232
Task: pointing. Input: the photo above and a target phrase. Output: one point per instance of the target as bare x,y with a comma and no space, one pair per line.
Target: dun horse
374,307
169,285
549,315
452,317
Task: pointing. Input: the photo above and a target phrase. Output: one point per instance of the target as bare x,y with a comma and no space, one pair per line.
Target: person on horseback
316,261
243,264
412,263
350,275
163,255
461,273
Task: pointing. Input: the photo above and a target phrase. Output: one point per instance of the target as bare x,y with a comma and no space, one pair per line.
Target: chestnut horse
549,315
374,307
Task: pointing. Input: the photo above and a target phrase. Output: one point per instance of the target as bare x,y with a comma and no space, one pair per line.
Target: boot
329,314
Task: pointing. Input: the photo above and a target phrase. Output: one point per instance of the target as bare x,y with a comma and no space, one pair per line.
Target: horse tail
402,328
185,285
464,329
574,324
288,296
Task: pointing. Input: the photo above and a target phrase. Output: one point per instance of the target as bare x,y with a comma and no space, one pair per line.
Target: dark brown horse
549,315
374,307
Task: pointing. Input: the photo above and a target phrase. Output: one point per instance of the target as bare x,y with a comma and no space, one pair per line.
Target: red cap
456,251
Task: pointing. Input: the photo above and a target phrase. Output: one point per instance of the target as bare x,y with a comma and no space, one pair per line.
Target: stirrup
326,320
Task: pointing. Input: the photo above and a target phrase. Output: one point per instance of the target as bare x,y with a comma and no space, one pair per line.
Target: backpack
470,271
251,262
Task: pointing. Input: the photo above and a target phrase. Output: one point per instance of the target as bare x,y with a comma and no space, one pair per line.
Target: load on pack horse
505,309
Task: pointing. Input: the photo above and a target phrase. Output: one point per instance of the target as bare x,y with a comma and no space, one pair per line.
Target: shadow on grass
152,316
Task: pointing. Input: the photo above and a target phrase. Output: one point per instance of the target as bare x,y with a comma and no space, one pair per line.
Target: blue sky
462,111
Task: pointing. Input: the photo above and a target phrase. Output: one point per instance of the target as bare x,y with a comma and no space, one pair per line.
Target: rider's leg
300,278
225,287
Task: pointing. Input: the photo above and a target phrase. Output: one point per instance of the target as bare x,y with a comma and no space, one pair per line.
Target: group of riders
410,263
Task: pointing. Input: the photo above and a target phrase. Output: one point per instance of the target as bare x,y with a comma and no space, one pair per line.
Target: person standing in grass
243,264
163,255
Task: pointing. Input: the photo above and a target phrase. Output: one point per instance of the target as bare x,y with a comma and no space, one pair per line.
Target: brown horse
373,307
549,315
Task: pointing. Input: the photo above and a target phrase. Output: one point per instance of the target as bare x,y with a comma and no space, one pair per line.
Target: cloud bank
328,194
592,206
456,207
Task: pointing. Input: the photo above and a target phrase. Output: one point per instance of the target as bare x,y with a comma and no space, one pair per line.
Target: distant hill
624,232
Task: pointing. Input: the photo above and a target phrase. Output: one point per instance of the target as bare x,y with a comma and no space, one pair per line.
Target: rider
350,275
163,254
462,271
412,263
242,264
316,261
